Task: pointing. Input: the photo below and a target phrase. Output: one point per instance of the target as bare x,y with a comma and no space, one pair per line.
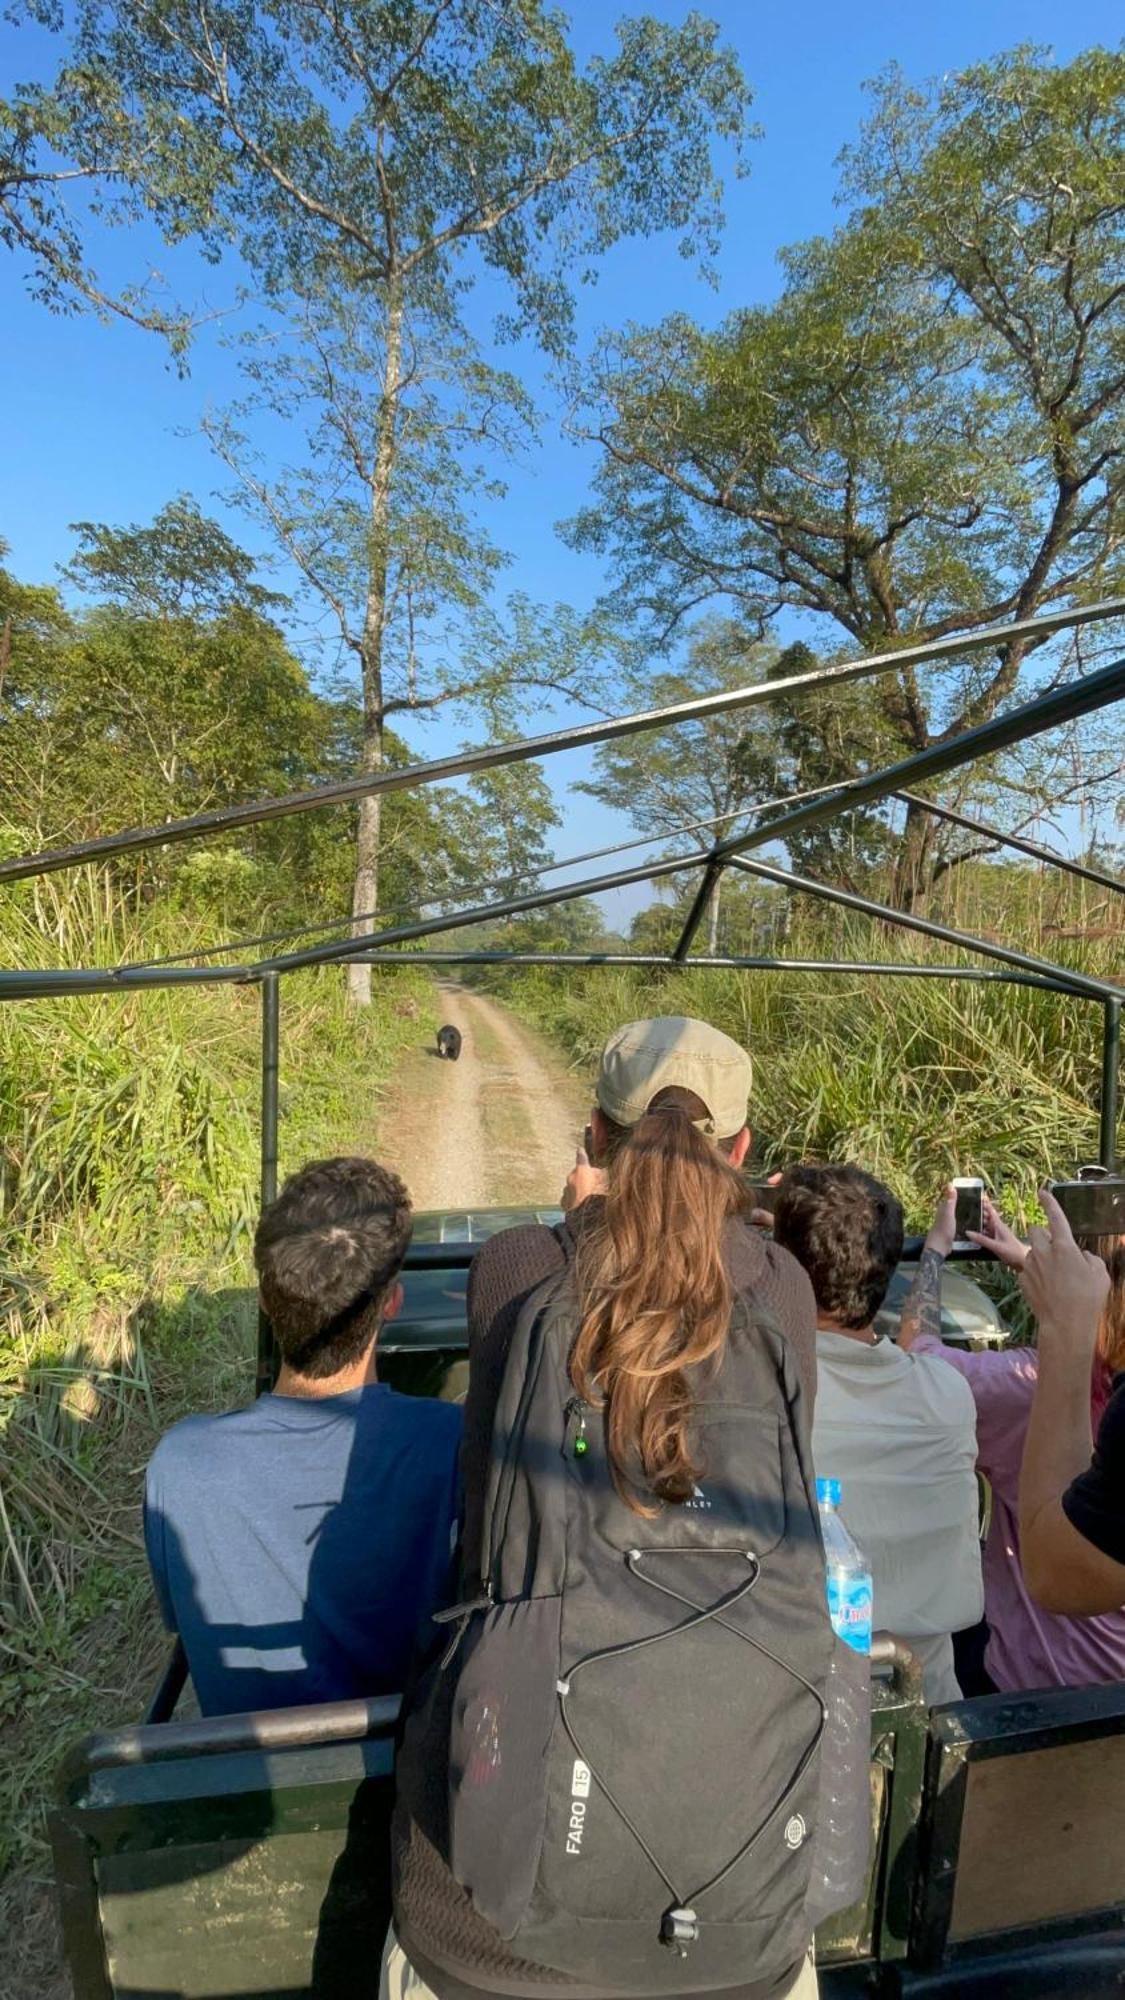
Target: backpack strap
564,1237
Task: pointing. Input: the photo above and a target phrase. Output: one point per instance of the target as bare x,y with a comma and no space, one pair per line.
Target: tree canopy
366,163
925,432
174,692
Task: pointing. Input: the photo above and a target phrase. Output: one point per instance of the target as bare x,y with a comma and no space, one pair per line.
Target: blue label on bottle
850,1609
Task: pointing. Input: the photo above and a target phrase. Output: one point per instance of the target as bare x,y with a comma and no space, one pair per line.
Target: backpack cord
702,1614
637,1555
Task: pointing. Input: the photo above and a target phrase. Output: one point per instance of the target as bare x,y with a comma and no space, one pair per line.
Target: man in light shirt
897,1430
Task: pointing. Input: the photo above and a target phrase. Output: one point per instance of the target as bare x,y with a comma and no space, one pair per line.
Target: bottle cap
829,1492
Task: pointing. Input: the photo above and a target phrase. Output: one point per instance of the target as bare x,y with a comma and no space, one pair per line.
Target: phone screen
765,1196
970,1214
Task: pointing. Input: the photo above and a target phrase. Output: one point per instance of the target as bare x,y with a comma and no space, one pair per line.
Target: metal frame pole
712,875
885,913
512,906
1111,1055
489,757
271,1027
1016,725
1018,842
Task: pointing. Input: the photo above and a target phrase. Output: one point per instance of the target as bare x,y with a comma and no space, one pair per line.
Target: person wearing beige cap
665,1263
674,1052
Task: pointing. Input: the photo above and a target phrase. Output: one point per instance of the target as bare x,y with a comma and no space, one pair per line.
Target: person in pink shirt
1027,1646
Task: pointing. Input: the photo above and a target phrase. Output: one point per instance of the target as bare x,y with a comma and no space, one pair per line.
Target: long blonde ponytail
655,1296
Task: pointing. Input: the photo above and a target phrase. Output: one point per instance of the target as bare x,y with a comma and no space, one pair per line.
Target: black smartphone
764,1196
1093,1207
970,1211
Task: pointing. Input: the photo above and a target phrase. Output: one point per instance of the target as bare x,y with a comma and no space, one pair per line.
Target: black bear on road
449,1043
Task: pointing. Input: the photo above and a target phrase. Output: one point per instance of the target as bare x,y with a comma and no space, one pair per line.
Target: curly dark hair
846,1229
328,1252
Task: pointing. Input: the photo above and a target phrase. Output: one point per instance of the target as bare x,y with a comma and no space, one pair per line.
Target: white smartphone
970,1211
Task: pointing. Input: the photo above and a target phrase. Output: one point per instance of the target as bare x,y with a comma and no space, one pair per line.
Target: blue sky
97,426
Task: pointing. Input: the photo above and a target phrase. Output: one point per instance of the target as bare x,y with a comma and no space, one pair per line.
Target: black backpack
635,1705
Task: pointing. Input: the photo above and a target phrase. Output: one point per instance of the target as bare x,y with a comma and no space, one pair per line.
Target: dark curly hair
846,1229
328,1251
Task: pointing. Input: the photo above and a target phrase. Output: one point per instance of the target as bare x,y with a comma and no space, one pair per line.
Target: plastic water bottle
849,1573
844,1832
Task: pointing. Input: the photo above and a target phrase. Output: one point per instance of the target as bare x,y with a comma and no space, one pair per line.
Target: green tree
516,815
712,770
183,566
367,162
925,432
173,693
41,222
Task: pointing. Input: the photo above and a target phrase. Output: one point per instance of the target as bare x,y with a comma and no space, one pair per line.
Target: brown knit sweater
454,1949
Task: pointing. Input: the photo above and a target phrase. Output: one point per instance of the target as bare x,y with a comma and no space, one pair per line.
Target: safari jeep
248,1855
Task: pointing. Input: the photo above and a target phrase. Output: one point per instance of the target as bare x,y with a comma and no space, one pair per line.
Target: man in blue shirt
298,1546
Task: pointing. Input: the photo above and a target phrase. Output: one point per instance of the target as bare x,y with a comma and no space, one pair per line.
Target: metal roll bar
1061,704
1017,841
490,757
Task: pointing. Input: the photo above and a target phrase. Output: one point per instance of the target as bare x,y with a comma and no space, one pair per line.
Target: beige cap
646,1057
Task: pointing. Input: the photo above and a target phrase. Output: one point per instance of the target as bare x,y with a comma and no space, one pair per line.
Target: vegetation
922,435
364,166
128,1193
914,1079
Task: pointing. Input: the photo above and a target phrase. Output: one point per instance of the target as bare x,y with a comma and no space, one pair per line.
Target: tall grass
915,1079
128,1189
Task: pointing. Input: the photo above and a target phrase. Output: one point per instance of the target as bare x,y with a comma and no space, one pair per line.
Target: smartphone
970,1211
1093,1205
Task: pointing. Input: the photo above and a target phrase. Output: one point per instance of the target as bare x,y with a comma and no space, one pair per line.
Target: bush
914,1079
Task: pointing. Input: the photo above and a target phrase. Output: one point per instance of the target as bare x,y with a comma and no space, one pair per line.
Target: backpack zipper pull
574,1435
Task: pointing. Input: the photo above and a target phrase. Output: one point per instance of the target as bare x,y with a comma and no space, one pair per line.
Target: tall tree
182,566
368,160
174,692
517,814
712,769
50,201
925,432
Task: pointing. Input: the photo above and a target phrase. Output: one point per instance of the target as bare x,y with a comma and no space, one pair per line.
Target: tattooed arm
922,1312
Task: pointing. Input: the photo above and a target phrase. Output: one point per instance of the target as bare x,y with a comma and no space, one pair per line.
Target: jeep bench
240,1857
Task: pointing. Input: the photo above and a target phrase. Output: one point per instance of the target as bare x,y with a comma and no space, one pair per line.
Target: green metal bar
1072,982
126,979
489,757
1018,842
1111,1058
512,906
712,874
1047,711
271,1036
978,974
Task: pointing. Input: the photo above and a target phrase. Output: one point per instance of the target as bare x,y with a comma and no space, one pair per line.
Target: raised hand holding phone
1066,1287
995,1235
969,1212
582,1181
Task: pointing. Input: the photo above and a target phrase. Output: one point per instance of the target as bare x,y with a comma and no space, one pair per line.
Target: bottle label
850,1608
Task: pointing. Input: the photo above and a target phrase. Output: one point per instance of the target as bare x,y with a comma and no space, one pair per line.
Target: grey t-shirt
297,1546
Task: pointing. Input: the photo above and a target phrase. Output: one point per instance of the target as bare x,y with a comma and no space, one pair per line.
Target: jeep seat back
230,1857
242,1856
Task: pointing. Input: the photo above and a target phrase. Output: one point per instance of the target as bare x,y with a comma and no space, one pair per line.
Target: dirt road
498,1127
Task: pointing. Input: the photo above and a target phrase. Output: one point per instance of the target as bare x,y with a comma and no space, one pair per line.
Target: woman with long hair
658,1262
1027,1647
